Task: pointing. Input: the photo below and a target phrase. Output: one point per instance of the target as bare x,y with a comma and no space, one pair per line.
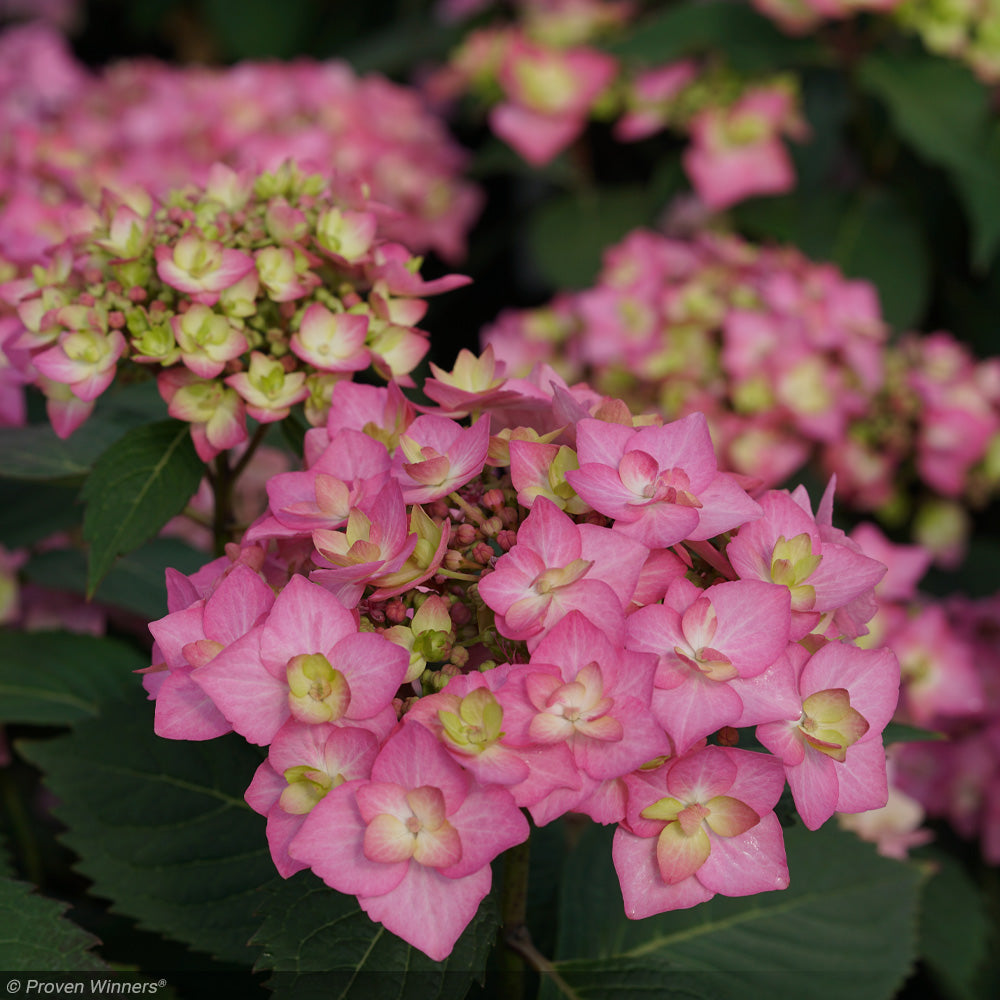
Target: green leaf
954,927
35,510
161,827
846,926
263,29
568,235
36,453
751,42
900,732
868,235
136,486
35,936
321,944
54,678
939,108
135,582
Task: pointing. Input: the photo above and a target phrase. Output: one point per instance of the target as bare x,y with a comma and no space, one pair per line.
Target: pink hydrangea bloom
832,750
700,825
660,484
557,566
190,637
588,696
786,546
306,660
303,763
707,642
414,842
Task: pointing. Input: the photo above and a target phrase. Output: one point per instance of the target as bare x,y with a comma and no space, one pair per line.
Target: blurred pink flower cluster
544,77
949,658
525,597
789,360
245,298
67,134
800,16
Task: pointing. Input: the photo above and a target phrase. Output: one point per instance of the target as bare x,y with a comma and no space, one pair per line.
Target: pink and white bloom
201,268
206,340
215,412
789,546
832,751
736,151
549,93
582,692
190,637
707,642
269,390
374,544
332,342
660,484
85,360
436,456
353,468
303,763
700,825
414,842
308,661
557,566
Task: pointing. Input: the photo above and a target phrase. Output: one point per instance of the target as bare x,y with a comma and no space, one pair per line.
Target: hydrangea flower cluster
949,666
543,78
798,17
524,597
68,134
789,361
245,297
969,32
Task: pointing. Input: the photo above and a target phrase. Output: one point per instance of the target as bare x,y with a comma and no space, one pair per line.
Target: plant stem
31,858
520,942
222,515
244,460
513,914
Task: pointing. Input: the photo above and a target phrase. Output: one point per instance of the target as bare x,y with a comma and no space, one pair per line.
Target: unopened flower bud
482,552
507,539
492,526
460,614
395,611
493,499
459,656
465,534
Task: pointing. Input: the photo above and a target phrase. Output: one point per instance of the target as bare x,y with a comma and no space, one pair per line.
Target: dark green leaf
954,927
939,108
321,944
137,485
869,235
750,41
135,582
403,44
54,678
568,235
900,732
36,453
161,827
35,936
35,510
845,926
263,28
